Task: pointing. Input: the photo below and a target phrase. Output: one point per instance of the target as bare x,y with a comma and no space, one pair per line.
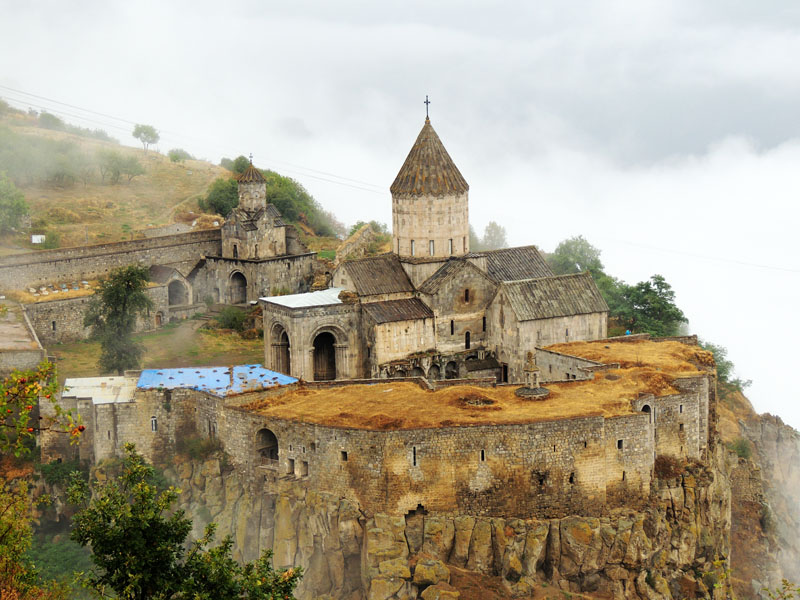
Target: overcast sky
666,133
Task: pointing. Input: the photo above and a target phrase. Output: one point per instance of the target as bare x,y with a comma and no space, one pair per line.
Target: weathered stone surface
383,588
431,572
462,536
395,568
438,535
440,592
481,554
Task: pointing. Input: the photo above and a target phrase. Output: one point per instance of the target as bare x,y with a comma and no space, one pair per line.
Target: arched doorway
417,372
324,357
399,373
451,370
238,288
267,447
176,293
281,357
434,373
159,319
646,409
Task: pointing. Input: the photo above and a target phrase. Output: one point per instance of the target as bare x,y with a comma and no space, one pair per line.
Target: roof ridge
363,258
562,276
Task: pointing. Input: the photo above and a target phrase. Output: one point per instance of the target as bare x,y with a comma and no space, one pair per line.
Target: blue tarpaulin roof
220,381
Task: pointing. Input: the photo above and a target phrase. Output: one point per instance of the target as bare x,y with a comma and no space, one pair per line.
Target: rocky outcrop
654,553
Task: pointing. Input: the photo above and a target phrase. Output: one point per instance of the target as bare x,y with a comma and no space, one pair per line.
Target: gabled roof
445,272
251,175
550,297
407,309
428,169
514,264
381,274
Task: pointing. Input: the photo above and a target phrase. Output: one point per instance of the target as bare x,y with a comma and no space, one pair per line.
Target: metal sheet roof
318,298
407,309
558,296
220,381
102,390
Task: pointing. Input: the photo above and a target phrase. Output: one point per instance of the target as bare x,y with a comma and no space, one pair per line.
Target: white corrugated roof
320,298
102,390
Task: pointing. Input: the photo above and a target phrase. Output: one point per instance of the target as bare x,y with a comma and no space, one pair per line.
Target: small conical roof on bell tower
429,170
251,175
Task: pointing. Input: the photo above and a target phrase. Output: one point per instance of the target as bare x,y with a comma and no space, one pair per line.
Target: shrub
741,447
179,155
198,448
56,472
231,318
667,467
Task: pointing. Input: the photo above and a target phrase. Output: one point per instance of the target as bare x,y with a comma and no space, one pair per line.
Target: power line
376,188
703,257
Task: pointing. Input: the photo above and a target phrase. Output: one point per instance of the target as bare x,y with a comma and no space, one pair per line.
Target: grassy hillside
96,210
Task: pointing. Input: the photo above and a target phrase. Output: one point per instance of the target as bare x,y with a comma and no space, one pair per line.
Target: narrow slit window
680,427
619,444
466,340
680,408
450,247
483,455
153,424
572,477
414,456
623,476
53,324
343,456
235,251
484,323
431,247
452,327
412,247
466,295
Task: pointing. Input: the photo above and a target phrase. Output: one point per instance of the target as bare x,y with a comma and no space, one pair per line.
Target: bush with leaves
222,196
741,447
118,301
178,155
138,545
12,205
231,317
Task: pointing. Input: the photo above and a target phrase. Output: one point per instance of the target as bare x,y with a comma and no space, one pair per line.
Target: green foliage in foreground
58,558
138,545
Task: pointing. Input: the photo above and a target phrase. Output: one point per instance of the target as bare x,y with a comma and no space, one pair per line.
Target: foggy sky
666,133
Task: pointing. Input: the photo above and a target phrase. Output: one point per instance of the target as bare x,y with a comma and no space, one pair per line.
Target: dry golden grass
671,357
26,297
406,405
109,213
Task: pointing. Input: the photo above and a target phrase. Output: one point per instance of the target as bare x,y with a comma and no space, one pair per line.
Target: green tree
147,134
575,255
138,545
494,237
112,313
12,205
725,366
240,164
649,307
222,196
131,167
178,155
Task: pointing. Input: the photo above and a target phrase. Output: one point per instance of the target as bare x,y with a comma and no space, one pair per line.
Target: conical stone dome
428,169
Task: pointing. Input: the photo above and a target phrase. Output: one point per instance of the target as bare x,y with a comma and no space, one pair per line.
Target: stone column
342,364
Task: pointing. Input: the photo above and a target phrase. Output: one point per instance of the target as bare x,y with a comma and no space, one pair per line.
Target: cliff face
665,551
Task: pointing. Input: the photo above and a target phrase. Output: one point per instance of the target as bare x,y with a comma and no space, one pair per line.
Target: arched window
412,248
153,424
235,251
466,341
466,295
431,247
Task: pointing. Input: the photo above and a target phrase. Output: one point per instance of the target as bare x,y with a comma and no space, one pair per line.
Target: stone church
431,307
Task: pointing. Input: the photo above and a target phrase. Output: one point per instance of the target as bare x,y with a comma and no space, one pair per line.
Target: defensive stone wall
21,348
91,262
62,320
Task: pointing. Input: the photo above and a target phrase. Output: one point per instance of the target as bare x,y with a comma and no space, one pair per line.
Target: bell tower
430,202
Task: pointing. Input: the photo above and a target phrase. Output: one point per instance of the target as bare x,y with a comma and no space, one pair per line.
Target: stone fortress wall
543,469
19,271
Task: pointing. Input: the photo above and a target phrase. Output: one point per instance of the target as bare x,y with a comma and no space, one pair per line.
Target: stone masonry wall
559,367
430,218
62,320
21,271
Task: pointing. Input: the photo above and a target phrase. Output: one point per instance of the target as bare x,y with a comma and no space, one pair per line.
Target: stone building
253,254
431,307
